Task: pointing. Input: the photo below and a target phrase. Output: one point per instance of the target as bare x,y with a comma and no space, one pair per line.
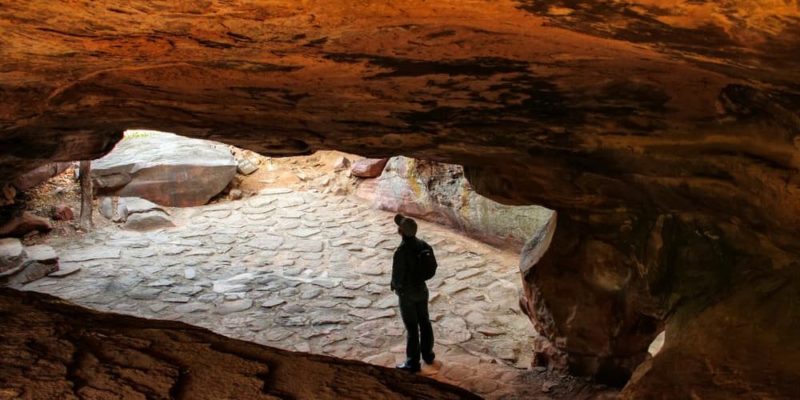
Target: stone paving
303,272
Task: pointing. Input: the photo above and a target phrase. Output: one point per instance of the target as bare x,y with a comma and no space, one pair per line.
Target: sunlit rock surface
166,168
663,132
439,192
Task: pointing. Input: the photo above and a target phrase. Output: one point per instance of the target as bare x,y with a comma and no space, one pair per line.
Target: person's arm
399,268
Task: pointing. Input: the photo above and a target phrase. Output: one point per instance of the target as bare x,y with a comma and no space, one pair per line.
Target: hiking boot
409,366
429,358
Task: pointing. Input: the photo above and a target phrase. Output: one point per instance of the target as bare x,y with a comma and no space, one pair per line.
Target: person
413,295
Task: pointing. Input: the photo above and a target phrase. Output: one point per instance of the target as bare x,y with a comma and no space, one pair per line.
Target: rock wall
663,132
56,350
440,193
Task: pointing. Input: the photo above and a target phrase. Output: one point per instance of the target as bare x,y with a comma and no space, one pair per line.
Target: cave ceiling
667,105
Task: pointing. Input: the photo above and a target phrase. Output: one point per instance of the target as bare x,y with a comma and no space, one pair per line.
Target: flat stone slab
453,330
274,191
266,242
145,293
65,270
229,307
149,220
92,253
42,253
273,302
275,334
192,308
370,314
11,252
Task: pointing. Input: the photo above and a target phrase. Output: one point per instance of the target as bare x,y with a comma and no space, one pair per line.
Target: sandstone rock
148,221
114,209
235,194
147,293
135,205
63,212
65,270
453,330
246,167
91,253
33,263
440,193
368,167
273,302
164,168
21,225
229,307
28,271
679,171
42,253
12,253
39,175
341,164
221,367
370,314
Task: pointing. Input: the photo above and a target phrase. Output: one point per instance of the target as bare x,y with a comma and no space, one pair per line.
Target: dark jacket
405,278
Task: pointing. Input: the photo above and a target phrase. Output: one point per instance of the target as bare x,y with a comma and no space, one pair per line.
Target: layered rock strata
53,349
439,192
664,133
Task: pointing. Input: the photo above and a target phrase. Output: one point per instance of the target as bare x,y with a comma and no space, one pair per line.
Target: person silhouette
413,294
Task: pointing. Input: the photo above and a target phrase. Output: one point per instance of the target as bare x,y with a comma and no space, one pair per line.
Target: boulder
342,163
29,264
135,205
42,253
114,208
12,253
368,167
149,220
164,168
63,212
21,225
39,175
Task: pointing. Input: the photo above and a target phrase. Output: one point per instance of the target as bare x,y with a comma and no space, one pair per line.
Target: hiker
412,265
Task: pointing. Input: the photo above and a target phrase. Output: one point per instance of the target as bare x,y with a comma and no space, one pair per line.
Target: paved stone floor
303,272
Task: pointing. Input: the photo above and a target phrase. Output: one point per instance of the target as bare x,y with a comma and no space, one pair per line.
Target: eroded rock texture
55,350
438,192
664,132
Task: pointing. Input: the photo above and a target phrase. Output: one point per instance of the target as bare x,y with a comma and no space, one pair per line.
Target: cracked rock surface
55,350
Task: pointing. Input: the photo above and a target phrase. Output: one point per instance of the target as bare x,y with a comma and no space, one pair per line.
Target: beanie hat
408,227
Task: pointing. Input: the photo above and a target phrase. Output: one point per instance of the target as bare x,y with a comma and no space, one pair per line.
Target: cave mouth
300,260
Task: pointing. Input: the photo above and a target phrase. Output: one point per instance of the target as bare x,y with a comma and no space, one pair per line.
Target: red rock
23,224
63,212
39,175
341,164
369,167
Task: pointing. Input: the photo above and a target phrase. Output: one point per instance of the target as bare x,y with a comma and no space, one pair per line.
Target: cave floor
306,272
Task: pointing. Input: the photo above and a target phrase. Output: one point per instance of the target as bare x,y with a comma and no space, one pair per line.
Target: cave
664,134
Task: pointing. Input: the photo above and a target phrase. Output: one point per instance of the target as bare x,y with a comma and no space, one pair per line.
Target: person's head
406,227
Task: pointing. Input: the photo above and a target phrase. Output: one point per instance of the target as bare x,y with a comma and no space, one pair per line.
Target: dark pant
418,323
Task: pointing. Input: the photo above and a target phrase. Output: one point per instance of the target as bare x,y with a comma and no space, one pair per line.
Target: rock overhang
666,130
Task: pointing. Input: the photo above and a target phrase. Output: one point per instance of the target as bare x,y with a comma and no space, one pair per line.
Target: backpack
427,263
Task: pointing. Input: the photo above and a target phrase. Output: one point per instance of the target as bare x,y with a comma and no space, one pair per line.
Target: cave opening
295,253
